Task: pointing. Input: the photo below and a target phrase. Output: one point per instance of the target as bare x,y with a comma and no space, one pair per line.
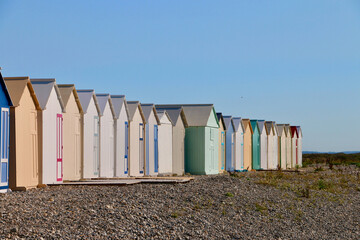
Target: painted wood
247,144
221,150
72,133
263,145
239,144
275,163
255,145
165,143
294,146
300,137
136,139
230,144
121,135
288,146
51,151
90,133
107,141
270,144
24,134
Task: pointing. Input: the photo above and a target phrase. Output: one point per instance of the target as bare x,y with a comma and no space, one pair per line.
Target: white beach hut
51,153
151,140
179,122
288,146
107,143
90,133
136,139
263,145
300,136
121,135
282,145
165,139
239,144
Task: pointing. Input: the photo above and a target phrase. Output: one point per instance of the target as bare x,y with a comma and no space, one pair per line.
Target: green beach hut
201,138
255,145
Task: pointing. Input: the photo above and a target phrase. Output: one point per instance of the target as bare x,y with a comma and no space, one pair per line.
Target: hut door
242,152
4,146
297,152
212,149
156,148
222,150
141,148
96,146
126,148
59,147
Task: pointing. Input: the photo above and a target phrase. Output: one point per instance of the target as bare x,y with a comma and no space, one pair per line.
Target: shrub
229,194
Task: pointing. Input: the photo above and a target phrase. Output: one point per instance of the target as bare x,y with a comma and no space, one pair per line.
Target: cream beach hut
179,122
5,104
270,131
107,131
222,142
247,144
24,134
121,135
136,139
300,136
90,133
281,145
51,128
165,139
72,132
288,146
276,148
239,144
263,144
294,146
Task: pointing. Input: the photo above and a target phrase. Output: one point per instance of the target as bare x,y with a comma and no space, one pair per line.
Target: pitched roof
43,88
254,124
269,128
287,130
16,87
133,105
228,122
221,119
237,123
147,108
280,129
3,85
65,92
196,114
247,125
103,99
174,113
119,102
163,113
261,125
85,96
294,132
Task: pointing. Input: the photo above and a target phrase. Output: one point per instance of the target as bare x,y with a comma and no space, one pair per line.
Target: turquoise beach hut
255,145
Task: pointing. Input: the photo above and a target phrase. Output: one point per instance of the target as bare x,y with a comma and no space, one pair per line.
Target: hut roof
16,87
147,107
133,105
65,91
119,101
42,88
174,113
85,96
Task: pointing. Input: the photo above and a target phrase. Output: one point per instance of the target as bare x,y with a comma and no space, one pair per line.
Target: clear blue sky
292,62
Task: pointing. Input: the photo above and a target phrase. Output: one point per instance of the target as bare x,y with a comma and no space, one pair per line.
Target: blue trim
4,187
147,150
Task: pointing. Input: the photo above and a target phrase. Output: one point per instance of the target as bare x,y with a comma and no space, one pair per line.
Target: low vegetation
331,159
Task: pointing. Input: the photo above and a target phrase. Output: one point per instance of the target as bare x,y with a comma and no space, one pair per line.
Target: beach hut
248,131
51,128
281,145
288,146
72,132
179,122
5,104
24,134
255,145
151,139
230,144
294,146
164,143
201,139
270,131
90,133
107,140
239,144
221,143
263,144
136,139
299,145
121,135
